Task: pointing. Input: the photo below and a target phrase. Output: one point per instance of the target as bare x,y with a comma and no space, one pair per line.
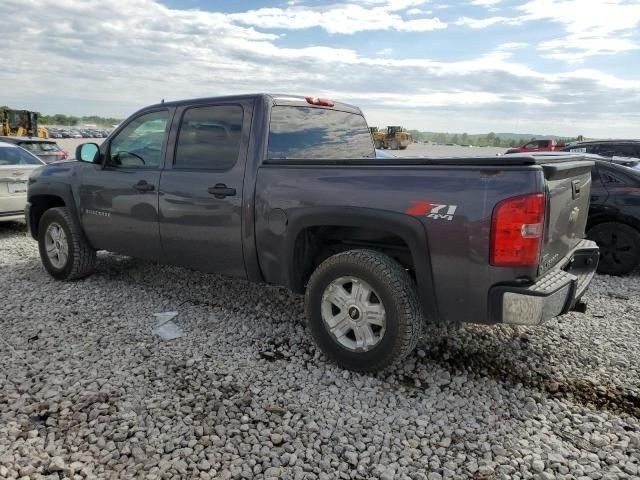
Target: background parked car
544,145
607,148
614,214
15,166
46,149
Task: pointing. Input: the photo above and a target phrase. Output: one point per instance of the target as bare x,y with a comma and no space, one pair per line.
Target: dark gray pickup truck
287,190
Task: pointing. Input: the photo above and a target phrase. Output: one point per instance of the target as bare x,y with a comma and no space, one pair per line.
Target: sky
563,67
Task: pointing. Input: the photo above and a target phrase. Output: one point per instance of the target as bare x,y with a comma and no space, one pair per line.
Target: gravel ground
86,390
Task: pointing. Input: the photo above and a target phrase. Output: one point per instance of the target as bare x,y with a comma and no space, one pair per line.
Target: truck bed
382,194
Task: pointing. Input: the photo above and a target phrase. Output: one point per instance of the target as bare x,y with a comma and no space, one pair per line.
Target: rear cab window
305,132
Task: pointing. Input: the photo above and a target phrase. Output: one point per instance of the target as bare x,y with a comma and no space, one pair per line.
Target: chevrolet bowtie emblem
573,216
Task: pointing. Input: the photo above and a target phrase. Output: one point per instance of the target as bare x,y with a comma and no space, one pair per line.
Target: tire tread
403,288
82,254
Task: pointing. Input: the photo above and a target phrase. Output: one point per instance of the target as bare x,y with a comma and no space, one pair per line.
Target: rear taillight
516,231
323,102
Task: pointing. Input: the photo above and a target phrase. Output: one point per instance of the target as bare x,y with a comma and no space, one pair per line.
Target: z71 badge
436,211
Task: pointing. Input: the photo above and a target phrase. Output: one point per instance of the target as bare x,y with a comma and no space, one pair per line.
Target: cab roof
271,98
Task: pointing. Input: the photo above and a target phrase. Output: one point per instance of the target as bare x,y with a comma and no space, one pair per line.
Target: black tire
403,147
619,247
81,257
394,144
378,144
396,291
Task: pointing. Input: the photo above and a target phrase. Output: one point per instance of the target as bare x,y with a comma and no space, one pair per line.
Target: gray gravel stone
89,392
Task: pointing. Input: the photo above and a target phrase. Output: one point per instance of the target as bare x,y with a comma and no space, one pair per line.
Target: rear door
201,188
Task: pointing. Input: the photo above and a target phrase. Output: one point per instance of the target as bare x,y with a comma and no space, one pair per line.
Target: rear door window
209,138
318,133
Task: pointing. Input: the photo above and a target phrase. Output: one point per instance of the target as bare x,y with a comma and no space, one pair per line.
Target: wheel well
315,244
39,205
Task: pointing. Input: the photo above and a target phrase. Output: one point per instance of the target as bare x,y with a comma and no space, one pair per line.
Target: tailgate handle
575,189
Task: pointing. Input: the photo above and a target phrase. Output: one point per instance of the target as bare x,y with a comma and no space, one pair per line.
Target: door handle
221,191
143,186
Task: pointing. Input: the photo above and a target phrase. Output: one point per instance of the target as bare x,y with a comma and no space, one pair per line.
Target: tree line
71,120
481,140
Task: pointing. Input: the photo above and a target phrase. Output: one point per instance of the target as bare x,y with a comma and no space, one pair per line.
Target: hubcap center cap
354,312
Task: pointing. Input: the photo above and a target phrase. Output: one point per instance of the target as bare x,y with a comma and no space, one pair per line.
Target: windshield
318,133
17,156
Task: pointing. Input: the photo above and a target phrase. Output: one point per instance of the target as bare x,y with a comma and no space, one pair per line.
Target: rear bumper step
556,293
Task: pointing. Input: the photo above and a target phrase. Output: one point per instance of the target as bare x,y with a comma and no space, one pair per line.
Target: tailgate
568,187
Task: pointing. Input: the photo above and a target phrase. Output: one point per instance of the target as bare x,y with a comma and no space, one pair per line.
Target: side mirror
88,152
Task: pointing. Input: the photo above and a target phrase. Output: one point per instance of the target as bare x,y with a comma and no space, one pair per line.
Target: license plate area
17,187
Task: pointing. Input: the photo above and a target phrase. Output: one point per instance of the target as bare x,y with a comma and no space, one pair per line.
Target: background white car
16,164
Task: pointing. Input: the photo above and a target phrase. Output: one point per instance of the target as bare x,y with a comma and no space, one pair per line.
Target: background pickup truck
287,190
537,146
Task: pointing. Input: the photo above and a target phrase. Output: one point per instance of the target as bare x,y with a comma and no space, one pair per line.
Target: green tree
440,138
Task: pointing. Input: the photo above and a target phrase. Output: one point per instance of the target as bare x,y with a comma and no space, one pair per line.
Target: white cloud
485,3
592,27
509,46
385,51
485,22
111,58
346,19
418,11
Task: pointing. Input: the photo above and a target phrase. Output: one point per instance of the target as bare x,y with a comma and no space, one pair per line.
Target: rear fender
408,228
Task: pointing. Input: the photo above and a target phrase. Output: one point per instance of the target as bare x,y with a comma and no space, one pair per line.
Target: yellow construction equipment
395,138
21,123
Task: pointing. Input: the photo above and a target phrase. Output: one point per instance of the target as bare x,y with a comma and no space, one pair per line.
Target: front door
119,203
201,189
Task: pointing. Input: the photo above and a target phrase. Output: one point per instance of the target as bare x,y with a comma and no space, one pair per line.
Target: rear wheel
65,253
363,310
378,144
619,247
394,144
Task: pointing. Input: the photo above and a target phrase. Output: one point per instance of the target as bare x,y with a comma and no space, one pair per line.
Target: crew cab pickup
288,190
537,146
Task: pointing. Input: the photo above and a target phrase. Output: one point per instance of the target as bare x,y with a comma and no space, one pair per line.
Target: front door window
140,143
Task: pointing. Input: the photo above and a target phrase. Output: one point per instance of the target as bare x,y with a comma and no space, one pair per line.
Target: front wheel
619,247
64,251
363,310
